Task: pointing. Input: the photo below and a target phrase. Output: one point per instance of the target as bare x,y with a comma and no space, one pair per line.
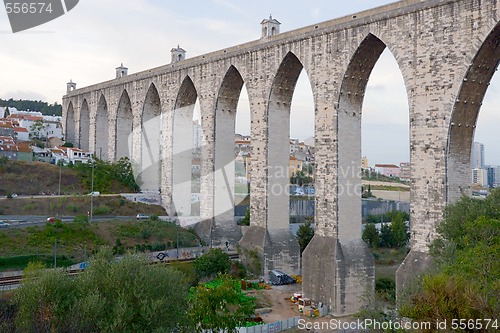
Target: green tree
304,235
398,230
4,161
45,303
370,235
301,179
214,262
37,130
386,239
105,173
127,295
466,254
220,305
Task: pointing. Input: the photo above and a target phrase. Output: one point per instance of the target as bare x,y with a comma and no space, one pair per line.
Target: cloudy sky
87,43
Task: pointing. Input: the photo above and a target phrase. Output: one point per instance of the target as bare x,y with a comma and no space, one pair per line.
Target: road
55,196
23,221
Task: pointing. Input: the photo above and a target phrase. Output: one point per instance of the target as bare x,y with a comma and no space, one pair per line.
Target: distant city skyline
88,43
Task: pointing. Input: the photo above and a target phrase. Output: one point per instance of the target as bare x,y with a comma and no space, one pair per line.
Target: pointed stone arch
70,124
352,92
84,138
182,153
124,126
102,129
281,250
465,114
278,141
224,162
151,141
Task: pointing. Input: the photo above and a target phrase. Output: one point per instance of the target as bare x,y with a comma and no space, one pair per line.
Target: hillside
38,178
34,178
21,245
76,205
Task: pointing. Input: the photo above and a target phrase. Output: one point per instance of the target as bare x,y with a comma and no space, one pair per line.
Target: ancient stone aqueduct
447,51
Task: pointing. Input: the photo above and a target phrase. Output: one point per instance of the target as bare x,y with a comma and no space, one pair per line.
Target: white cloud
24,94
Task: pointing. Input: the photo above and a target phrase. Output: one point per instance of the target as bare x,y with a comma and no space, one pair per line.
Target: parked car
95,193
142,217
4,224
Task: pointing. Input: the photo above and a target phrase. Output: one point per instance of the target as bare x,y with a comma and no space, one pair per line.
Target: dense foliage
125,295
304,235
105,173
214,262
393,235
25,105
301,178
387,217
467,257
110,296
220,305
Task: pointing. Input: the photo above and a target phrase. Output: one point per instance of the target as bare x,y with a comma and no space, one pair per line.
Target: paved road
23,221
54,196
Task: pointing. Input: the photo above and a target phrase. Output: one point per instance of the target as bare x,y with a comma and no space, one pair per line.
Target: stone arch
224,134
102,129
83,141
150,141
352,92
278,141
280,249
124,126
70,124
182,147
465,113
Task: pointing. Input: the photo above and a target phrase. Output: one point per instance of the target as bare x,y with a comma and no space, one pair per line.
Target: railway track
17,279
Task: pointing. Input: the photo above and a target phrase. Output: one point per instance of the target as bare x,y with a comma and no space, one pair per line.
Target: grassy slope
76,205
72,238
34,178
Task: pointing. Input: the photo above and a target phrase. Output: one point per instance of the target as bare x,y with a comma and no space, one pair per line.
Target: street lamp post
60,167
92,194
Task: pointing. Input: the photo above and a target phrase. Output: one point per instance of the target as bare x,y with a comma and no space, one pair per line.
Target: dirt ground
278,298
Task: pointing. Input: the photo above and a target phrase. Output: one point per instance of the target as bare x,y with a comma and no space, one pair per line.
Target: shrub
371,236
386,288
101,210
212,263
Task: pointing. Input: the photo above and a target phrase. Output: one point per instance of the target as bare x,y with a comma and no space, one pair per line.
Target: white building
21,134
53,127
479,177
70,155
